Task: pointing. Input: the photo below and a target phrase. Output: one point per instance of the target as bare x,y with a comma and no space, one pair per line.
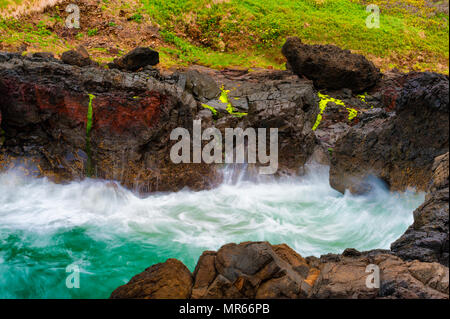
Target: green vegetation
92,32
251,32
14,31
413,35
224,99
137,17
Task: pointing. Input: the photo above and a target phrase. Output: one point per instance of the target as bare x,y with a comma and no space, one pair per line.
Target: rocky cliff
67,122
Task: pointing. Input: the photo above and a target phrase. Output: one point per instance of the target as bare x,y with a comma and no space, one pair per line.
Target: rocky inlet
69,119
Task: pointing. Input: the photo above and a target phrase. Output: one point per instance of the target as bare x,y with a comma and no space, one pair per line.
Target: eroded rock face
399,148
329,66
427,239
169,280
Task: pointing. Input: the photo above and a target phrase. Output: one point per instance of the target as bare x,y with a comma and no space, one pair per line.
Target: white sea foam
304,212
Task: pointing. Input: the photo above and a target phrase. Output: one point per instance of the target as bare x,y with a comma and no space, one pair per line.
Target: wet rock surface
427,239
398,147
329,66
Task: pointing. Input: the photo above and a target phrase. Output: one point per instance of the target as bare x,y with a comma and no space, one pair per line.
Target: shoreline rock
258,270
427,239
400,148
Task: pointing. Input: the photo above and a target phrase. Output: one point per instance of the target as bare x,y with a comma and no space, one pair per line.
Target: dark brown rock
137,58
399,149
79,57
427,239
169,280
329,66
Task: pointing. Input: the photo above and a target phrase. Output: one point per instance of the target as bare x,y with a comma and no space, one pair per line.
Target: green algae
213,110
324,100
225,100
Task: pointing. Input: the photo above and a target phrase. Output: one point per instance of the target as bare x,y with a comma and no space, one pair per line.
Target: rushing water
112,234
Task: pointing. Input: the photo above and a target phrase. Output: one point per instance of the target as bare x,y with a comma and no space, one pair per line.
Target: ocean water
111,234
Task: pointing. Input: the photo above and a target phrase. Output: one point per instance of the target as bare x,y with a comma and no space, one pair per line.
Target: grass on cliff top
413,34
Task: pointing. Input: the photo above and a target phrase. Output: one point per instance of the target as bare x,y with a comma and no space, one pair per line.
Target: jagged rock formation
398,147
260,270
427,239
45,106
329,66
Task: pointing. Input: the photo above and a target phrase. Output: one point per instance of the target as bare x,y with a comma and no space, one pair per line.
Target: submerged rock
329,66
399,148
427,239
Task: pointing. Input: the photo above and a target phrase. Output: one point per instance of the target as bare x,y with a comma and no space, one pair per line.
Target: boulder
329,66
427,239
79,57
168,280
137,58
399,148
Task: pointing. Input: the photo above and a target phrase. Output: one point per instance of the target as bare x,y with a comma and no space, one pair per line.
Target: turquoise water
111,234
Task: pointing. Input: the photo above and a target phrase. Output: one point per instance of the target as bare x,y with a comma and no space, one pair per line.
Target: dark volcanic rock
401,148
427,239
44,106
169,280
137,58
79,57
329,66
